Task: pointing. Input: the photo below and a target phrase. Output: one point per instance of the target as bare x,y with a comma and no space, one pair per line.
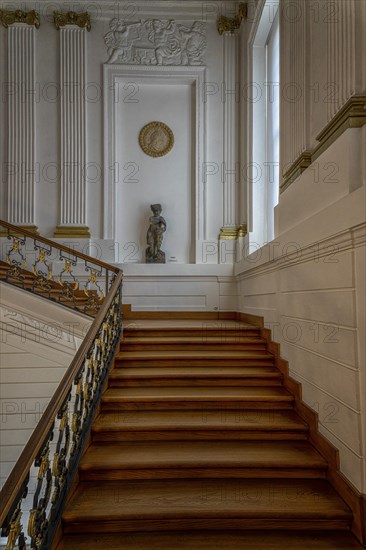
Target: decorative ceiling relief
156,42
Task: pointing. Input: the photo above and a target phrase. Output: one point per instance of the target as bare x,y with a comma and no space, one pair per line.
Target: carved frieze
155,42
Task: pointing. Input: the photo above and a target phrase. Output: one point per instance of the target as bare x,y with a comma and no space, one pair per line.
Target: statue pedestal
160,258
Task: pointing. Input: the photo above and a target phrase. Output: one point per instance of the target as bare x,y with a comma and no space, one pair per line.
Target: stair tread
202,420
203,339
178,354
199,499
174,324
201,393
183,372
225,454
208,540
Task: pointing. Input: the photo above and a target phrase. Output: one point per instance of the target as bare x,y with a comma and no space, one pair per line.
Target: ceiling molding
133,10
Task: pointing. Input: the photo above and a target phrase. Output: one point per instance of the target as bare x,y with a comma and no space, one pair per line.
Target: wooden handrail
24,463
33,235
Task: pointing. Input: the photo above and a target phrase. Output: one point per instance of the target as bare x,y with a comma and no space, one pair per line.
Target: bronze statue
154,236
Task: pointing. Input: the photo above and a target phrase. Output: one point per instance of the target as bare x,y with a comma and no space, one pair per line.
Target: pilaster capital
8,18
63,18
232,24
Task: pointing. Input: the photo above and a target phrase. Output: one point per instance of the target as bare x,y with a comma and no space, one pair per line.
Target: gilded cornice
4,232
231,24
62,18
296,169
8,17
351,115
72,232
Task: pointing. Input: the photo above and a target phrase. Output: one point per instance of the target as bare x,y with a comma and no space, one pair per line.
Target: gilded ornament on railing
59,465
15,536
67,281
42,270
231,24
63,18
17,261
8,17
54,271
38,520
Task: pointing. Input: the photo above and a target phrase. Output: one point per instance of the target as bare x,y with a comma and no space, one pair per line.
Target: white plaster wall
39,339
309,285
177,287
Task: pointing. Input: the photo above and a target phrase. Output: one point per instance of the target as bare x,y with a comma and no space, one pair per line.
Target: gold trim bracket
233,233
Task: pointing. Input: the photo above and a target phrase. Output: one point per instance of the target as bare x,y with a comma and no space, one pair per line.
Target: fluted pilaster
73,133
341,54
230,96
21,125
294,90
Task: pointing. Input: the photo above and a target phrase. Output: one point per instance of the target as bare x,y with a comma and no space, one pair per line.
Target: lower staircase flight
198,446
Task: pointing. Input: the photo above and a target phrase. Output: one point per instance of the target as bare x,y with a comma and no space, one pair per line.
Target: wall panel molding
193,76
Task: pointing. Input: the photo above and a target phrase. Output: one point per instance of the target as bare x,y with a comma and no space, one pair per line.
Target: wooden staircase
198,446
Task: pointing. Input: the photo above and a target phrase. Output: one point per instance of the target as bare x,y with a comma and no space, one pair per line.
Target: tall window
265,127
273,123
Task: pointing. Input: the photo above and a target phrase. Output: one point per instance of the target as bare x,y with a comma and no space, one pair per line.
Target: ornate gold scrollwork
8,17
231,24
61,19
45,463
15,530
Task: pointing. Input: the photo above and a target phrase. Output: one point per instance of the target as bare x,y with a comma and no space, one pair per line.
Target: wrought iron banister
52,270
68,416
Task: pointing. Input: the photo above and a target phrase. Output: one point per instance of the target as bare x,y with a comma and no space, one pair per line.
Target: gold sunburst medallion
156,139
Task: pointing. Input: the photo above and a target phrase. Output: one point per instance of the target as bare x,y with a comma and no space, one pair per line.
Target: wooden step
202,342
166,505
174,328
162,398
193,358
195,376
201,459
224,424
208,540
